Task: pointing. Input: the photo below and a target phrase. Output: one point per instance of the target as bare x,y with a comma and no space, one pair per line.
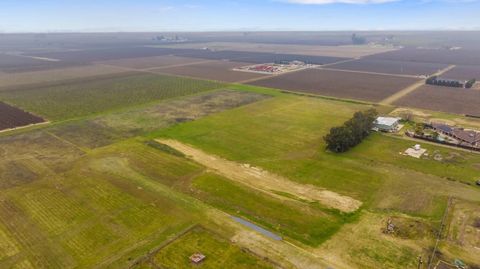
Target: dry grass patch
364,245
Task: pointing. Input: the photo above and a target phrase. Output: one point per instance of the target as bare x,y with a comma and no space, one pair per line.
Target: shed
197,258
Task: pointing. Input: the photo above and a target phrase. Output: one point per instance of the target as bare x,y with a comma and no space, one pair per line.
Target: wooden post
420,262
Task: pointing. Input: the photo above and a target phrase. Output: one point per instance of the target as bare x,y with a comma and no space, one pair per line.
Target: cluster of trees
358,40
352,132
470,83
444,82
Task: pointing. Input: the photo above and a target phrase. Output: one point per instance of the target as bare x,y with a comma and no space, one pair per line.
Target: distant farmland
217,70
465,72
13,63
151,62
8,80
366,87
13,117
446,99
444,56
392,67
79,99
88,56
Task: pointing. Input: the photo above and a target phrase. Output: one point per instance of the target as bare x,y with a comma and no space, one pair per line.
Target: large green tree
352,132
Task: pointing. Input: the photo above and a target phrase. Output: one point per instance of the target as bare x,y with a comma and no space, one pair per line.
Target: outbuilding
197,258
386,124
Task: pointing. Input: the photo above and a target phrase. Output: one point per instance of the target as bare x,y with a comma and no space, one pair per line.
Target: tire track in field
265,181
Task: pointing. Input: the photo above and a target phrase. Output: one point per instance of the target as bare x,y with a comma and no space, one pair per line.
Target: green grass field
284,135
66,204
308,224
97,192
92,97
219,253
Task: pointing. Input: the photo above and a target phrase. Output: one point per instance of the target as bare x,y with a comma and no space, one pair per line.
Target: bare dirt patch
12,117
266,181
217,70
366,87
443,56
465,72
392,67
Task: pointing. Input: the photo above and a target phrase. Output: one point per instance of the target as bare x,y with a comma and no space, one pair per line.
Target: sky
236,15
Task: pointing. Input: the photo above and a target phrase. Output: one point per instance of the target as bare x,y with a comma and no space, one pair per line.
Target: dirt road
265,181
391,99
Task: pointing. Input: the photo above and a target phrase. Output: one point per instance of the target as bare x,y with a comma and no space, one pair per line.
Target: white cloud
324,2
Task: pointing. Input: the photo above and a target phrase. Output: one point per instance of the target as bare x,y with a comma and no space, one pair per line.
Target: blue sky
208,15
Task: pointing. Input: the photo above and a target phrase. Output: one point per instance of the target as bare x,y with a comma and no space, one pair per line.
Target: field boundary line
368,72
442,227
178,65
24,127
408,90
343,61
65,141
35,57
155,250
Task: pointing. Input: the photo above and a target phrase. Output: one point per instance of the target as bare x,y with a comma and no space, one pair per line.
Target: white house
386,124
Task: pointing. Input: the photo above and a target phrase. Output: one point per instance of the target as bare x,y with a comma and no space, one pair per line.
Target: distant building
386,124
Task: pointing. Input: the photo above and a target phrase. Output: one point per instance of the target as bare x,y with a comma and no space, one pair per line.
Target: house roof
467,136
389,121
443,127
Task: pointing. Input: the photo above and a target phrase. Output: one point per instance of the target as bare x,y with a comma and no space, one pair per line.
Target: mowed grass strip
80,99
219,252
309,224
